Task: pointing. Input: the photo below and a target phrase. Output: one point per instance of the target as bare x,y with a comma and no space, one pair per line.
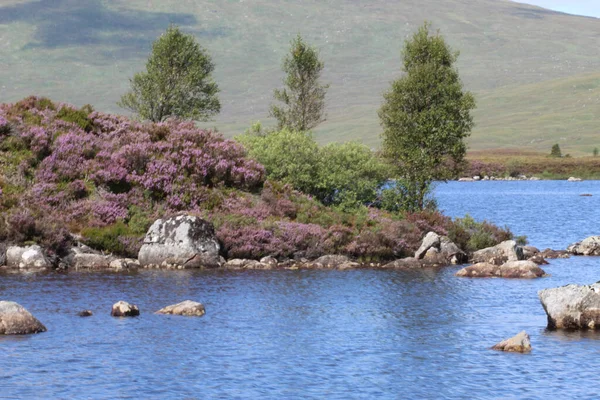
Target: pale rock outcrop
186,308
16,320
119,264
499,254
440,249
180,242
28,257
240,263
124,309
587,247
269,260
572,306
573,179
517,344
404,263
328,261
90,261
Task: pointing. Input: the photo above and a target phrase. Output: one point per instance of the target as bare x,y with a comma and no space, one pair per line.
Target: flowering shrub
108,178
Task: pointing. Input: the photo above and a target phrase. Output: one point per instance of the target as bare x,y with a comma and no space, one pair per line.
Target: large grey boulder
517,344
588,247
182,242
440,249
186,308
572,306
16,320
28,257
499,254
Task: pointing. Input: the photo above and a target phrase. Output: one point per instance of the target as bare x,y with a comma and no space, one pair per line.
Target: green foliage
177,81
397,198
345,175
595,152
426,116
288,156
471,235
109,238
304,97
78,117
555,151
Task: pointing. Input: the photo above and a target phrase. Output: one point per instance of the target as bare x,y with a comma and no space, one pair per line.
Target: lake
319,334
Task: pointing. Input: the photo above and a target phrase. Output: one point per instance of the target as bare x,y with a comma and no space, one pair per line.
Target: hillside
512,55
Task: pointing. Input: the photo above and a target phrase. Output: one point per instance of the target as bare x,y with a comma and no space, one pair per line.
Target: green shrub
107,238
78,117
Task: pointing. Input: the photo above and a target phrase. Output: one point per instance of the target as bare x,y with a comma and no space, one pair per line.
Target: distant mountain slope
84,51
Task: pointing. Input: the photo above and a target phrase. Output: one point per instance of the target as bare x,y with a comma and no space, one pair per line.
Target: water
318,334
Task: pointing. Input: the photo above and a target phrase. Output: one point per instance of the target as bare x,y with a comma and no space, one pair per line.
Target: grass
530,163
520,61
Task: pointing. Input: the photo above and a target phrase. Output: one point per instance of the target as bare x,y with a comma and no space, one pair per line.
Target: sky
580,7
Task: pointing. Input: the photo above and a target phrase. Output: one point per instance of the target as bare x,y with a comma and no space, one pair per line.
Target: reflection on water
304,334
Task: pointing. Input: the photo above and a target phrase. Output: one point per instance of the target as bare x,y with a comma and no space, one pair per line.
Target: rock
269,260
511,269
499,254
517,344
187,308
239,263
573,179
586,195
552,254
330,261
16,320
404,263
476,178
430,240
465,179
572,306
2,254
588,247
529,251
85,313
349,265
90,261
479,270
182,241
538,259
26,257
124,309
123,263
451,251
440,250
521,269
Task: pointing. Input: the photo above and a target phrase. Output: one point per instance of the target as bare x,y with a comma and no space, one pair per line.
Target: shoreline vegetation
513,164
75,176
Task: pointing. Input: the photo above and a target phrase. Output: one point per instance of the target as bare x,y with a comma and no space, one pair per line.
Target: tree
304,98
425,117
177,81
555,151
595,152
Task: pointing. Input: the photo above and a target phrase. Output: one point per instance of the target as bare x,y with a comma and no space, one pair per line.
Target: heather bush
472,235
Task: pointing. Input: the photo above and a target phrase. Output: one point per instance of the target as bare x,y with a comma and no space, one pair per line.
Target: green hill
521,61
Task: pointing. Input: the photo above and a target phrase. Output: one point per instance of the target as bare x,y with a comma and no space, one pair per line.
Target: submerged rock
28,257
588,247
85,313
124,309
510,269
16,320
499,254
182,241
572,306
517,344
186,308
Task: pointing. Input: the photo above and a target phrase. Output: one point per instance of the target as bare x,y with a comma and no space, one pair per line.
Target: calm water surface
319,334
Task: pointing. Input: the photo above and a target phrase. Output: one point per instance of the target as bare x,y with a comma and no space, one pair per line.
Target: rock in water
440,249
499,254
16,320
85,313
510,269
187,308
26,257
588,247
517,344
572,306
181,242
124,309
